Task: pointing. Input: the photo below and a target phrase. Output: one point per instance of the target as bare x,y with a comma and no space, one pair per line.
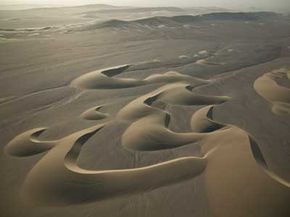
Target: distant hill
139,10
186,19
243,16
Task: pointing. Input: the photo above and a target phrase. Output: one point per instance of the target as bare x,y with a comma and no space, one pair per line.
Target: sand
92,125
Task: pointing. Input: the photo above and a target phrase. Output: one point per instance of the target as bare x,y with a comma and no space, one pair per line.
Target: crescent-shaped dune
201,121
149,132
245,182
241,185
104,79
27,144
278,96
173,77
94,114
181,94
57,180
253,145
176,93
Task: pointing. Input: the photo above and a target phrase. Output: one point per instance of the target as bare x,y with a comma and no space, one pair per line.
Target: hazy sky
262,4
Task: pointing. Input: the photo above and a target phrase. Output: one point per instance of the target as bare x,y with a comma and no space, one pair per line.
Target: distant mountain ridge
186,19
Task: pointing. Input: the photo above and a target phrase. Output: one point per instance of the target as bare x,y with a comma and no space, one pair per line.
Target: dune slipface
277,95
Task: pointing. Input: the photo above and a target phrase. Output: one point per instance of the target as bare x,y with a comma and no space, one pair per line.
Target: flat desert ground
144,112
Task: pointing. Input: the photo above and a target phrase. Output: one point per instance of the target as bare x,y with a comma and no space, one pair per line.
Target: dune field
117,111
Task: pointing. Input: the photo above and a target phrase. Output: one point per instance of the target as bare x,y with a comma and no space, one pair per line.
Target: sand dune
104,79
94,114
277,95
173,77
156,135
177,93
250,187
27,144
57,180
262,162
201,121
181,94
